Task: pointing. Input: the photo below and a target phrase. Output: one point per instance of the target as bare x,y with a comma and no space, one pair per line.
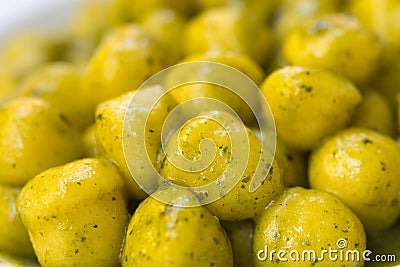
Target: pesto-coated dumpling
109,127
232,97
126,57
76,214
302,222
91,21
382,17
361,167
239,203
292,13
336,42
228,29
61,85
171,235
24,52
94,18
14,238
309,104
34,136
166,26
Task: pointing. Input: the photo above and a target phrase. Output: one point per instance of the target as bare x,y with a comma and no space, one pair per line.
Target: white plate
22,15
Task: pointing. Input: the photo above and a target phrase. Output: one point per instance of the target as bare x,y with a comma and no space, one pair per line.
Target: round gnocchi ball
172,234
361,167
336,42
228,29
126,57
381,17
309,104
240,202
76,214
34,136
302,226
60,84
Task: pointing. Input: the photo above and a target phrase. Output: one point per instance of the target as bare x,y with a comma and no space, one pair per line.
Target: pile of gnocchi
329,71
